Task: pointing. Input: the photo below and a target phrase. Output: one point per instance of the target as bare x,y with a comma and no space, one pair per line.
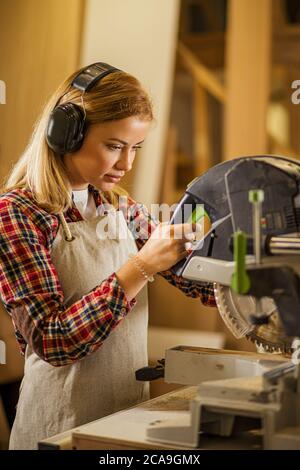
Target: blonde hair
116,96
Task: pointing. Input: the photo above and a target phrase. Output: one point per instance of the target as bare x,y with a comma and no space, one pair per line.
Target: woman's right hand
167,245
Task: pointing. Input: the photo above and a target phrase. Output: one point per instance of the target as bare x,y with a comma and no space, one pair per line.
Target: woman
77,297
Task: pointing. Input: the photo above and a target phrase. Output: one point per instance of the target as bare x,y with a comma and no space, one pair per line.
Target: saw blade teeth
270,338
280,349
233,323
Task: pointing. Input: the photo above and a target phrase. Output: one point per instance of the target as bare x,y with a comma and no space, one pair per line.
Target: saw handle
240,282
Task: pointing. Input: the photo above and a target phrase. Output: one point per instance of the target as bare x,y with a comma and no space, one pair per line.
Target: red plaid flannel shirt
31,291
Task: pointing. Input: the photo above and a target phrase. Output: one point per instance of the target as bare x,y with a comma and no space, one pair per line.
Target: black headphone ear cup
66,128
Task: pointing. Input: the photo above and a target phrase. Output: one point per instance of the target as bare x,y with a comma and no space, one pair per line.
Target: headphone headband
91,74
67,122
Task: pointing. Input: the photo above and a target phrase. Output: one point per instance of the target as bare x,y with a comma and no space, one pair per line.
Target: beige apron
55,399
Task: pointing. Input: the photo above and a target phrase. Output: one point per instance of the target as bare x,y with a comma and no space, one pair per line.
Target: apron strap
68,235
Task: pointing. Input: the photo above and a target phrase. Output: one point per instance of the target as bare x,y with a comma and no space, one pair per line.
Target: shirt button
123,310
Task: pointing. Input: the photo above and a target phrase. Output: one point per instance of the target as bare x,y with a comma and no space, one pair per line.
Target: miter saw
250,208
272,245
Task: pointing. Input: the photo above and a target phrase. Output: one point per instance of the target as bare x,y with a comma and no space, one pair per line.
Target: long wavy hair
41,171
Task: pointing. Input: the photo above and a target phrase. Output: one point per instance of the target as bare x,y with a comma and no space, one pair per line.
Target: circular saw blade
236,311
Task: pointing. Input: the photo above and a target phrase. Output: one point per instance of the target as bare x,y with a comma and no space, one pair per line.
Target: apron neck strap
68,235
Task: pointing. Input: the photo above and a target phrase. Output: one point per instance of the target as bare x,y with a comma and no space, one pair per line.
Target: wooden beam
168,184
201,130
247,77
286,47
207,47
202,74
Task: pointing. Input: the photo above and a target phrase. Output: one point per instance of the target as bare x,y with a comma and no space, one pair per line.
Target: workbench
126,430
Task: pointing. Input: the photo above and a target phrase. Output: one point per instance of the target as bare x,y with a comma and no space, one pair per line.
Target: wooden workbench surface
127,429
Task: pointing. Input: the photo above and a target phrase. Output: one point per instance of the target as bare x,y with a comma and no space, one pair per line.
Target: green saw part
240,282
198,214
256,195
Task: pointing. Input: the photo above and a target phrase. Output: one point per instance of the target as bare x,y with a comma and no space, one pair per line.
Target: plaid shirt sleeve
32,295
142,224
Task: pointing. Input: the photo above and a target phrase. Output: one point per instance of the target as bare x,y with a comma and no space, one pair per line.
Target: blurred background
220,73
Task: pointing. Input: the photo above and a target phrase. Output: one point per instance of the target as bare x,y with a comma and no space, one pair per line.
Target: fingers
199,229
193,229
188,246
185,232
191,236
181,234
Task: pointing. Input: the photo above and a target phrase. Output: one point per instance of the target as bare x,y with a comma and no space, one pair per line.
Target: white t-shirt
85,203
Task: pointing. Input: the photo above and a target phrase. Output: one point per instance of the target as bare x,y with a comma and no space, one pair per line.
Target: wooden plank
62,441
202,148
202,74
248,59
208,47
168,184
249,355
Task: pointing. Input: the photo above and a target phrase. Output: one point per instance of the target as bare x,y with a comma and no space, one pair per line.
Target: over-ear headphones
67,122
